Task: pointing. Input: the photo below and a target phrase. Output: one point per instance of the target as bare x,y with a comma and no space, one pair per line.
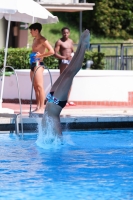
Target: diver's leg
84,39
64,83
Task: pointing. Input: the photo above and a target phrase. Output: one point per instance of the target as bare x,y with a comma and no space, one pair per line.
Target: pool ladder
14,116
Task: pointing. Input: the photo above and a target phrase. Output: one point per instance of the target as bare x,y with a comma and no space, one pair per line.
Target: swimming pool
90,165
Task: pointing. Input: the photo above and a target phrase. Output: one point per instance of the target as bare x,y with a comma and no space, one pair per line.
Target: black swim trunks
33,65
52,99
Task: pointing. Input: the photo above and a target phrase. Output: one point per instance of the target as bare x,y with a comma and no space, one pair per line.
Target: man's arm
57,50
50,50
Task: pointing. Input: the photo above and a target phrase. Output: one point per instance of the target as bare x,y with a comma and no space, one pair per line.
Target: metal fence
118,62
118,56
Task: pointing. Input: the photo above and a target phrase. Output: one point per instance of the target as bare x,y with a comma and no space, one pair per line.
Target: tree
112,18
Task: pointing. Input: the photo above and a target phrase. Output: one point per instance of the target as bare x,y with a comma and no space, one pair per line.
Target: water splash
47,138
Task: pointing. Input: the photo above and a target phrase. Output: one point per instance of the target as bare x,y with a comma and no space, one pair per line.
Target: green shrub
112,18
51,62
97,58
18,58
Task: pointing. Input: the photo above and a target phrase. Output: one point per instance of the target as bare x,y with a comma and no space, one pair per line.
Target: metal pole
117,57
80,18
5,57
80,23
122,57
99,48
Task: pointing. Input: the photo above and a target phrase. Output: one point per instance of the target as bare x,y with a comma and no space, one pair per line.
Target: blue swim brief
52,99
33,65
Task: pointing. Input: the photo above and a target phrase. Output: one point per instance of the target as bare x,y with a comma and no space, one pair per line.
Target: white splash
46,137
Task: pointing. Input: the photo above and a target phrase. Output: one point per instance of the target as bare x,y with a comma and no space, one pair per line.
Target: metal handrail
18,94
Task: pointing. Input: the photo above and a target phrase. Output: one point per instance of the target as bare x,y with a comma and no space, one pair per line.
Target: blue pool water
91,165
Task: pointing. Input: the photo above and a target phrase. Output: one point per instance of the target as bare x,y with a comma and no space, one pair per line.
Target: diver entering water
57,98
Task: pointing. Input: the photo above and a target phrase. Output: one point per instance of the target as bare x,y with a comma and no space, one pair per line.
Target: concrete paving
81,117
78,110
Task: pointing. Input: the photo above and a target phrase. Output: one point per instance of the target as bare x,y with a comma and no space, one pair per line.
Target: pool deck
78,117
80,110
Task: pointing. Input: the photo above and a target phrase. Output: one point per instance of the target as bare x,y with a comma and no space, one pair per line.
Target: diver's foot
39,111
35,110
85,38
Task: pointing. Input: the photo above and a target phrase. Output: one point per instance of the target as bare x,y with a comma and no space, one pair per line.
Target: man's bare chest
37,44
66,45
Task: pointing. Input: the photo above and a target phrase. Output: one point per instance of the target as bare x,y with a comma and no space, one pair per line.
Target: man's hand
70,57
38,55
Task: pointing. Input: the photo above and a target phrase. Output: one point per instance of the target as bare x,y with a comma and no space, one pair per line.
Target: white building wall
88,85
59,1
2,33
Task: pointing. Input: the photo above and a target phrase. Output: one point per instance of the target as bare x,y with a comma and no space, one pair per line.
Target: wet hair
64,29
35,26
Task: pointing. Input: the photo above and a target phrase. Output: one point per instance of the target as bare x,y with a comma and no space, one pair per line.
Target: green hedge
16,57
19,59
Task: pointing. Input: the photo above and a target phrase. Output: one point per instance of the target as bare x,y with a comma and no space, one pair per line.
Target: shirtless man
64,51
57,98
39,47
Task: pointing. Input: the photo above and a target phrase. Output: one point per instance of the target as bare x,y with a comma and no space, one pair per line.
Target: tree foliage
111,18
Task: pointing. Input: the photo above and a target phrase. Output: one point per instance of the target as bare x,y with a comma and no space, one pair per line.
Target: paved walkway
72,117
78,110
